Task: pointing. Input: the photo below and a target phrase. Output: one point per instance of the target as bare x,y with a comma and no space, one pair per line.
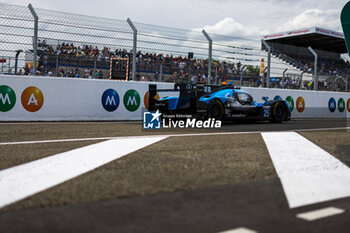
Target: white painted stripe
22,181
56,140
123,137
239,230
151,136
322,213
68,122
308,173
320,129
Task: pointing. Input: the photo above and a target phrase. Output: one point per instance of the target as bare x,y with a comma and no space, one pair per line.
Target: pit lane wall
24,98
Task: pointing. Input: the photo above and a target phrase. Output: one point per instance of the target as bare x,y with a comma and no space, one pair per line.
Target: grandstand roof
317,38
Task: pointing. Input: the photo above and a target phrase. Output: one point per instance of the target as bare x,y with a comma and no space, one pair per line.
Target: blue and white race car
221,103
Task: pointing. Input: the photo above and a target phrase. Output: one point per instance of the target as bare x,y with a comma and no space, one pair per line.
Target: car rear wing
186,89
191,91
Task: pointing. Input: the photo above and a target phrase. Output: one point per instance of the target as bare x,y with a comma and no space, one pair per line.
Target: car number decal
266,110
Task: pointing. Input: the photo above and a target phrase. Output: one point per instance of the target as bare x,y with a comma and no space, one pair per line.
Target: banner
27,98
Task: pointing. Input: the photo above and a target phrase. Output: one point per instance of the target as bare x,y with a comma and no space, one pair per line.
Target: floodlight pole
268,62
315,78
35,39
210,54
134,49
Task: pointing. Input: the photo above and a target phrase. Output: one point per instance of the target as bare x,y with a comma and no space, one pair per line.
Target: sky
241,18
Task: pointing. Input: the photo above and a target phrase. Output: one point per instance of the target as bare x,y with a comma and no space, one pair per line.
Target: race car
218,102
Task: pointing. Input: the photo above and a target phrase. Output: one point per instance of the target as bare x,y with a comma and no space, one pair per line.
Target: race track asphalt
59,130
259,206
208,183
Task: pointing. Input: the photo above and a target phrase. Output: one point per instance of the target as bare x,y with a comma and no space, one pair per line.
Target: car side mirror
266,99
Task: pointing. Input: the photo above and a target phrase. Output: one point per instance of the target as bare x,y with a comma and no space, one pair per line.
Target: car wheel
278,113
216,110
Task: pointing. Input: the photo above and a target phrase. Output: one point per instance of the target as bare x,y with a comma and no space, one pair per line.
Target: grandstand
292,48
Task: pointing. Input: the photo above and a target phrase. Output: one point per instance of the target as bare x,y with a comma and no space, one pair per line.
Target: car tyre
278,113
216,110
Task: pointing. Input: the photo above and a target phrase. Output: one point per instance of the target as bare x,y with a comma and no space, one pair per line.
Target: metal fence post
57,63
241,78
95,64
263,78
35,39
301,79
345,81
161,72
268,62
284,78
210,54
16,60
315,68
134,49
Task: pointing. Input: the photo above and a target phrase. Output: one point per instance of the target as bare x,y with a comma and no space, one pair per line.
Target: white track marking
319,129
69,122
318,214
152,136
239,230
308,173
22,181
124,137
56,140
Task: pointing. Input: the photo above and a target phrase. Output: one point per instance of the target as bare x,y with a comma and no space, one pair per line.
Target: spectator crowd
179,67
325,66
165,67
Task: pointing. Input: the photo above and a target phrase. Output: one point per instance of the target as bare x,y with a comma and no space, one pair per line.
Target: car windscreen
244,98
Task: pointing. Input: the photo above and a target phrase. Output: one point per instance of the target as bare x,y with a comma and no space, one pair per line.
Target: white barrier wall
54,99
308,103
71,99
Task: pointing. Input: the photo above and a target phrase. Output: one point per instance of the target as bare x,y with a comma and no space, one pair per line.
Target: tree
250,70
